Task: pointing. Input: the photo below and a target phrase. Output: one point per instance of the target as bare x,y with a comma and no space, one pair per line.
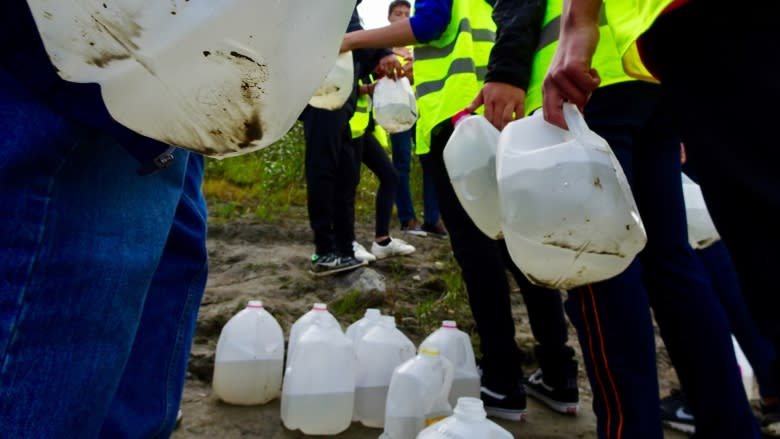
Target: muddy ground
252,260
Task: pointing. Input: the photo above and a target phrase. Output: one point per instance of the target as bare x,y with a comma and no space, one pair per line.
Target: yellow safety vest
629,19
450,71
606,60
359,121
381,136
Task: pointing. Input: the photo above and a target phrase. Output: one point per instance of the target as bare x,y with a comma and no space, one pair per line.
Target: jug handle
449,376
574,120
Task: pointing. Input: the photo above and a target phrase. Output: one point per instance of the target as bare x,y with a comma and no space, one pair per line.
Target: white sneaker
361,254
397,247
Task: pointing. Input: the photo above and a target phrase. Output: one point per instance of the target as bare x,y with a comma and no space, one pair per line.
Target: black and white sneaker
562,399
331,263
770,419
511,407
676,414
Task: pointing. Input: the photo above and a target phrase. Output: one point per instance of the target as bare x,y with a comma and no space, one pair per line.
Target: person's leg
735,151
482,268
347,177
431,214
148,398
402,161
758,350
375,158
323,134
84,236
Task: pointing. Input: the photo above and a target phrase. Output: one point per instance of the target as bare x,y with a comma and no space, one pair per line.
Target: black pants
375,158
725,92
332,174
483,266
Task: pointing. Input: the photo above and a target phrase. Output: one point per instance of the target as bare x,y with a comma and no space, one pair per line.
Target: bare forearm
395,35
580,12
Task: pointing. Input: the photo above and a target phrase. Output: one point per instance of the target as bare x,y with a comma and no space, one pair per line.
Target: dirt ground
251,260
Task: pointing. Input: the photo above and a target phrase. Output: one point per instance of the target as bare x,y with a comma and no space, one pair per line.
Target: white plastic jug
248,360
470,158
319,385
357,330
455,345
418,394
568,215
378,353
338,85
468,422
221,78
395,105
701,230
319,310
746,371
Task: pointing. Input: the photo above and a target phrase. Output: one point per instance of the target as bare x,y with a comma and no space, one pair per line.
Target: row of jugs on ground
372,374
558,197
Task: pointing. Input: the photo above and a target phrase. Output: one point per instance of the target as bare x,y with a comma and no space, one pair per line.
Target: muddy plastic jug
455,345
701,230
568,215
418,394
318,394
319,310
395,105
333,93
357,330
248,360
221,78
469,421
470,158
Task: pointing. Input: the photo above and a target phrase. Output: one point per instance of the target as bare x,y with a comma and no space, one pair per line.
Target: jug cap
470,409
373,314
255,304
459,115
449,324
320,307
429,351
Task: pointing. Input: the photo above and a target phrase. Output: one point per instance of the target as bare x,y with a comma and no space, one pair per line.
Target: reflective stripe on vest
606,59
359,121
628,20
450,71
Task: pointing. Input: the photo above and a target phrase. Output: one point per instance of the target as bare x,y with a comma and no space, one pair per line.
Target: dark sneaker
435,230
676,414
178,419
411,227
324,265
562,399
510,407
770,419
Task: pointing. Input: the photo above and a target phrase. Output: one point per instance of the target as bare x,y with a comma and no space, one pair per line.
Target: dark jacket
519,24
365,61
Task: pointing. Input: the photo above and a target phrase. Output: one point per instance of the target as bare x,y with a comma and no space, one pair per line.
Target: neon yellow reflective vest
606,60
629,19
359,121
450,71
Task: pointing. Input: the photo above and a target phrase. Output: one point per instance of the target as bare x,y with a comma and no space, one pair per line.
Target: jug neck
387,322
255,304
459,116
449,324
428,353
372,314
470,410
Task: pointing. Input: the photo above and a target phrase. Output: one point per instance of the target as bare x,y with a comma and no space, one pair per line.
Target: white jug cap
320,307
373,313
429,350
255,304
449,324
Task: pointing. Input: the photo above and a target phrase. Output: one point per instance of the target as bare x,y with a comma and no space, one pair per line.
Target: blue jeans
402,160
84,236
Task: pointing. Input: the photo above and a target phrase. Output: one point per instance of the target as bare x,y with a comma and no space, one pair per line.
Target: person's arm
519,24
430,20
570,77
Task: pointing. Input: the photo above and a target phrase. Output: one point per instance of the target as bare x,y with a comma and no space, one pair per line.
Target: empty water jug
318,394
338,85
248,360
418,394
357,330
470,158
378,353
220,78
455,345
701,230
469,421
568,214
319,310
